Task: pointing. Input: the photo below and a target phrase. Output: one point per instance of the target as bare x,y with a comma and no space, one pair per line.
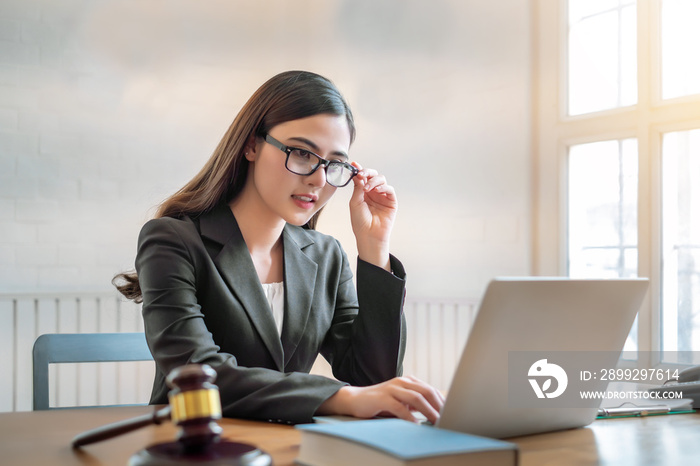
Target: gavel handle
117,428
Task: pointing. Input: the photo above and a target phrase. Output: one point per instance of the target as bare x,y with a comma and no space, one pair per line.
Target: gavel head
195,405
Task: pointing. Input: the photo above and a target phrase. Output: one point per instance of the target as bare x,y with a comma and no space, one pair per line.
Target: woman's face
281,193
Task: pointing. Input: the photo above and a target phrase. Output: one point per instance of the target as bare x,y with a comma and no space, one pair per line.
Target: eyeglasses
304,162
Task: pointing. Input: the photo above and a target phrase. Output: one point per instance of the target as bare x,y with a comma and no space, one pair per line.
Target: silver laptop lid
525,325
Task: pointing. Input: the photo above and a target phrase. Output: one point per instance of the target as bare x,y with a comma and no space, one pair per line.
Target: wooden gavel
194,405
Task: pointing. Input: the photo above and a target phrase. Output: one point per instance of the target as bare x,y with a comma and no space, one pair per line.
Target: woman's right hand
399,397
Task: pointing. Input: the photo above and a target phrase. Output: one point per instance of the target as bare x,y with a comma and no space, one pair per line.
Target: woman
232,273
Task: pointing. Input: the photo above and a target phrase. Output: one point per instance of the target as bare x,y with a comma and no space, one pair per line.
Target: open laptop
507,382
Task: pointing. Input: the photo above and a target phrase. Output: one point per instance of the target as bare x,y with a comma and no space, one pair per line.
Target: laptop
534,342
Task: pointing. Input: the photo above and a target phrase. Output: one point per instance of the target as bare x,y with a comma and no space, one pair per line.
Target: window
680,37
602,220
617,100
602,60
680,242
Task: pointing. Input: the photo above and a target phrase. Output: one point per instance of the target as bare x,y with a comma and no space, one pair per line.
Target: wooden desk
43,437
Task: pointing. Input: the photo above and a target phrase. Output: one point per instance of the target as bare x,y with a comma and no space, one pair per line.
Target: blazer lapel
236,267
299,285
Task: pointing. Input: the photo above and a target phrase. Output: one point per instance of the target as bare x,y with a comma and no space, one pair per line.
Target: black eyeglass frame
321,161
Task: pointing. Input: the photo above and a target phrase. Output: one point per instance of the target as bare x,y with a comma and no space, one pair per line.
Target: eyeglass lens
303,162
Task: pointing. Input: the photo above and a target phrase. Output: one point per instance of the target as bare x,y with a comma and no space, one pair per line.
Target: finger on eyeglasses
359,179
364,173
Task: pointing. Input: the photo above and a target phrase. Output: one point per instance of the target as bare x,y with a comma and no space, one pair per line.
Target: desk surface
43,437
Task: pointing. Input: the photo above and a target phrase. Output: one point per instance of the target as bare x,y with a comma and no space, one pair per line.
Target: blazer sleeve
177,335
367,339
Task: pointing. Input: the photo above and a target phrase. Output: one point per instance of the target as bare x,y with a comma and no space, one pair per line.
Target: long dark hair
288,96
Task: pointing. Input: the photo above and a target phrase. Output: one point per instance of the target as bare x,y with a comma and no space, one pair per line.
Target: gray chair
82,347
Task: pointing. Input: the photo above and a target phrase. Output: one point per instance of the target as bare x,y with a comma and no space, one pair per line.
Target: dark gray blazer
203,303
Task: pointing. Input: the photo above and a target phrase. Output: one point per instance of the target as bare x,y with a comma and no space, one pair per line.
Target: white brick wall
107,107
38,211
37,255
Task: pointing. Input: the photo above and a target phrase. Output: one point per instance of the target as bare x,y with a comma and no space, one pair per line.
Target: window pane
602,213
602,55
680,39
680,307
603,209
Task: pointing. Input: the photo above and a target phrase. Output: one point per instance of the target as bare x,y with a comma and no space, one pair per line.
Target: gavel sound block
194,405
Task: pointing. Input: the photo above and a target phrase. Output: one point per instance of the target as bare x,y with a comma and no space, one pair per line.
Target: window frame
554,131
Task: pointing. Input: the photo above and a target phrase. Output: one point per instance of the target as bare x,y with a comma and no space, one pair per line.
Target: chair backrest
82,347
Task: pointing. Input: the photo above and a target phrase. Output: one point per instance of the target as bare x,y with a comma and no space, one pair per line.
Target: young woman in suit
232,273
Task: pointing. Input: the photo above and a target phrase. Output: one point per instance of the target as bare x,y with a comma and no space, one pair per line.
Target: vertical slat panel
46,316
435,342
422,342
144,381
109,314
88,373
146,370
88,315
129,315
130,374
26,334
436,333
66,382
127,376
460,327
127,373
7,354
448,331
47,322
108,379
465,318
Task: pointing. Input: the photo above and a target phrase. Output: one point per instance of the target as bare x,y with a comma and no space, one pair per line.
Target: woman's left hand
373,209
